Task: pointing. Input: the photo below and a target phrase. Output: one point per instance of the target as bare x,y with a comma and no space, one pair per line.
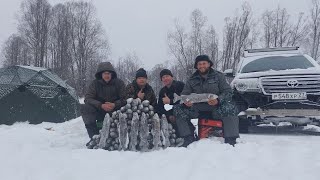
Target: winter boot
230,140
92,130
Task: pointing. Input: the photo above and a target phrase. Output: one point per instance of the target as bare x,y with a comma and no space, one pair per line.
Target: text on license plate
279,96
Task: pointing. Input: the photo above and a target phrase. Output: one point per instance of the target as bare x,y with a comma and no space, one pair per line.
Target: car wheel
244,124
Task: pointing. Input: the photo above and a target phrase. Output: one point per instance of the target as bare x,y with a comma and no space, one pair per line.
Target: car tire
244,121
244,124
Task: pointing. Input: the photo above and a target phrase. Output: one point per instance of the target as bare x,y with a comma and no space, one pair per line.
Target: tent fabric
36,95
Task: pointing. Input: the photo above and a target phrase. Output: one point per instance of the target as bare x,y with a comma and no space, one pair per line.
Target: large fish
123,131
134,132
143,133
165,131
105,131
194,98
156,132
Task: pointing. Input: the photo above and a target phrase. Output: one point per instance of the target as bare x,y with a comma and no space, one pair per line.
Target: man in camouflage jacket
208,80
139,88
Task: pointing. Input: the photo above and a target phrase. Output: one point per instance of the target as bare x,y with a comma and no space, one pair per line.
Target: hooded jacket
101,91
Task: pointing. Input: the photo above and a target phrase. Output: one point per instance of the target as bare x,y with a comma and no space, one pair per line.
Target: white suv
276,84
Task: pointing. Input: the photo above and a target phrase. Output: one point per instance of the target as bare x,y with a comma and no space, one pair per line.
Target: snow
312,128
34,68
31,152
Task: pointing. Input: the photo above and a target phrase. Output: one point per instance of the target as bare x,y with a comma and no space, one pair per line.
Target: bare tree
178,73
314,27
154,77
254,35
34,28
184,46
279,31
236,37
88,42
211,42
179,47
228,43
198,23
127,66
16,51
281,27
298,31
60,41
267,19
67,38
242,33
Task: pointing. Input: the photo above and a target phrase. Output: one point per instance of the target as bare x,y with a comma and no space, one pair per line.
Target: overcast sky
141,26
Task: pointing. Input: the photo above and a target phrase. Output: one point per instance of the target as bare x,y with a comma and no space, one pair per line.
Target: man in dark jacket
208,80
139,88
105,94
166,95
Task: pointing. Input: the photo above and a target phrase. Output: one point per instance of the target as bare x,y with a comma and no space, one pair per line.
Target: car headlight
243,85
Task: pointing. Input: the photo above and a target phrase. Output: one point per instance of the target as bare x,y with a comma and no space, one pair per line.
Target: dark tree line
69,39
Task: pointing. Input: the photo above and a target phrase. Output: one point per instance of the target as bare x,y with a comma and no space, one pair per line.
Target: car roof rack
271,51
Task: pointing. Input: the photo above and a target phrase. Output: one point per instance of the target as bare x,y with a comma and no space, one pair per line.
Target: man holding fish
211,86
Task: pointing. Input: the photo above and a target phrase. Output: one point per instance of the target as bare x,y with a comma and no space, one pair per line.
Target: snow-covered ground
57,152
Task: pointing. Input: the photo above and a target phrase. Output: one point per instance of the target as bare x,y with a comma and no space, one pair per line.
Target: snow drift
57,151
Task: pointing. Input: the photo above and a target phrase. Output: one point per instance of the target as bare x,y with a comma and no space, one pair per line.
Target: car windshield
277,63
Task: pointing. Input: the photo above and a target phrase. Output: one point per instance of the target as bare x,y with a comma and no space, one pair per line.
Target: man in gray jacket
105,94
207,80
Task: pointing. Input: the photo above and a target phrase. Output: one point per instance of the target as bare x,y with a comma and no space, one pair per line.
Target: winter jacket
133,89
176,87
101,91
214,83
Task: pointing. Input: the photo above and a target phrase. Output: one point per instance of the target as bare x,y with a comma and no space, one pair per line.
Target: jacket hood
105,66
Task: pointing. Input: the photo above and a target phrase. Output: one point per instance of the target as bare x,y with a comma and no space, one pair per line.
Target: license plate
280,96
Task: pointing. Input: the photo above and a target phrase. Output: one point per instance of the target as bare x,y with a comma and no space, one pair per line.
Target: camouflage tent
36,95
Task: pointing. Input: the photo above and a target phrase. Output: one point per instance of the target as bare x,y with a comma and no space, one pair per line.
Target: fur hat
202,58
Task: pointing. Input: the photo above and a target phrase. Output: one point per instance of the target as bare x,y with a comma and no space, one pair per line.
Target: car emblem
292,83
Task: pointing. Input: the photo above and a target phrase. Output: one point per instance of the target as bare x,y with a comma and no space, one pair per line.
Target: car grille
287,84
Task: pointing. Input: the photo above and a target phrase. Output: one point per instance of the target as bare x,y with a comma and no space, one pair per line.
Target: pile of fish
135,127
